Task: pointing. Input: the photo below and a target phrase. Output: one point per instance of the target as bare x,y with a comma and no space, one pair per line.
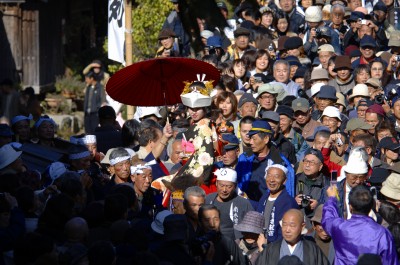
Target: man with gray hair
281,75
193,198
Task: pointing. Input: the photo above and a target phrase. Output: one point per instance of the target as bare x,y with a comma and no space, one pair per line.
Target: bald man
293,243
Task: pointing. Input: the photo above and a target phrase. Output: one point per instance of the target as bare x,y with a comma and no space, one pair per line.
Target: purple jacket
358,235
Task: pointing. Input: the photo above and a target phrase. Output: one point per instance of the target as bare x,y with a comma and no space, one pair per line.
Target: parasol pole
128,45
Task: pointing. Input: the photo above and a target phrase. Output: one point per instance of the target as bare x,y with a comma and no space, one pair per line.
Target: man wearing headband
148,198
120,165
232,207
276,201
251,170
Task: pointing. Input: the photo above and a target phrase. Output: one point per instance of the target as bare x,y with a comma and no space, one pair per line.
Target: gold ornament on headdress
193,87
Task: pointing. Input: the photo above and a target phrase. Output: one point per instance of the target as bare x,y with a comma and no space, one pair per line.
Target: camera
301,93
343,29
339,141
397,58
379,99
271,48
305,201
200,245
212,51
318,33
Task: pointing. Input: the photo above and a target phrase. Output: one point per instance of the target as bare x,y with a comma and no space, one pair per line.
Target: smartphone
333,177
363,22
374,193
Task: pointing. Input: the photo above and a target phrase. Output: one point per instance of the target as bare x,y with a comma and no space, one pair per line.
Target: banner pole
128,45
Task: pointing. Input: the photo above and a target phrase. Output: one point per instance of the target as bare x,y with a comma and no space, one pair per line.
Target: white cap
147,111
226,174
90,139
56,169
284,169
316,88
326,48
313,14
331,112
360,90
356,163
206,34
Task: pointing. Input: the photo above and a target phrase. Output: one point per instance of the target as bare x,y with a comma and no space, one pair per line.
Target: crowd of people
292,158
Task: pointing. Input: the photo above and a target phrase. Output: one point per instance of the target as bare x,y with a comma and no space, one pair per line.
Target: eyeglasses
267,97
310,162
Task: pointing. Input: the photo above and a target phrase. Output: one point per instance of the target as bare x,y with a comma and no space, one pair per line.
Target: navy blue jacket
282,204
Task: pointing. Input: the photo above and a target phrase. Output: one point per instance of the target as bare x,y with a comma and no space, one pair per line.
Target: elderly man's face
192,206
337,16
324,58
372,119
229,157
122,170
176,152
281,73
257,143
242,42
292,224
275,179
225,189
143,180
332,123
321,233
354,180
311,165
267,101
248,109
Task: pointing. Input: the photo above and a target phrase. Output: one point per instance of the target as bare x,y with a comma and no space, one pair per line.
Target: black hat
285,110
300,72
247,97
107,112
175,227
367,41
390,143
241,32
316,152
355,16
380,6
328,92
293,43
232,141
222,5
247,24
263,77
292,60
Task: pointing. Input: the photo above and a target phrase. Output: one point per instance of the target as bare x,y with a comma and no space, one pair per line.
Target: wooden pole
128,44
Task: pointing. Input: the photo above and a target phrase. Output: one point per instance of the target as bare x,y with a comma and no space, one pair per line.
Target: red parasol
157,82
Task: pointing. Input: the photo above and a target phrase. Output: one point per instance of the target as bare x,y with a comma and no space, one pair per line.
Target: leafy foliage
147,19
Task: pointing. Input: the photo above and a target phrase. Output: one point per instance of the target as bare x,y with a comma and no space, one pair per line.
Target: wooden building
36,37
